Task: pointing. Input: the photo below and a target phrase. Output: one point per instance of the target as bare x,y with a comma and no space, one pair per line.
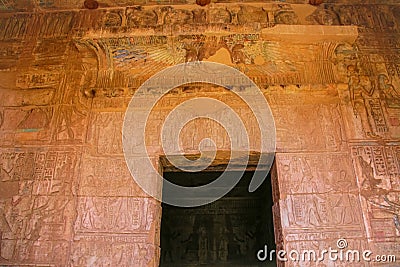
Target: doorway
227,232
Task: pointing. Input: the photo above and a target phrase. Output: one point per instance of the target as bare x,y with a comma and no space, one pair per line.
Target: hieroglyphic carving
178,16
114,83
106,132
32,252
320,70
378,168
286,17
37,80
41,208
133,60
113,19
370,17
324,16
50,172
14,27
302,174
219,16
107,177
384,162
315,211
70,120
59,24
105,251
324,131
360,90
50,52
1,118
388,93
368,112
116,215
313,187
137,17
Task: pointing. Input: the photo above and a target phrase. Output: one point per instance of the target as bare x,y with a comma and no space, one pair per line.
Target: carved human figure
359,92
4,227
223,240
166,241
203,245
71,112
307,183
369,181
343,210
191,53
388,92
122,213
90,214
238,55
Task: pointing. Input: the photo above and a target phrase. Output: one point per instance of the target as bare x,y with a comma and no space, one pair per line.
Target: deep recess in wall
227,232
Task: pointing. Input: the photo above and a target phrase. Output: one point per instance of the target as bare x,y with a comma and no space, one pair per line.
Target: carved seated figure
388,92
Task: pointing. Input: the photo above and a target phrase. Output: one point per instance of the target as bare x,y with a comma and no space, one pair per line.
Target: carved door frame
218,165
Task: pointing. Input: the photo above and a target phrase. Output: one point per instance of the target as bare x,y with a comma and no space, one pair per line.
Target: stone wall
331,75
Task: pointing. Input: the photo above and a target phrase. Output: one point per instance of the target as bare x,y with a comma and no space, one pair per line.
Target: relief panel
106,251
378,168
38,203
105,133
317,197
303,125
30,252
116,215
107,177
315,173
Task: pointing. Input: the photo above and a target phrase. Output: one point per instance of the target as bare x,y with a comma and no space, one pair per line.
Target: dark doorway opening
227,232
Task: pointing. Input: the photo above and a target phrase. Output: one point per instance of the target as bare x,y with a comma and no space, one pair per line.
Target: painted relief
38,206
67,75
378,177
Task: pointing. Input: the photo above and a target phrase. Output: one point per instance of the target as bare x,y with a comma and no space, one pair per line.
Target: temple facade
69,70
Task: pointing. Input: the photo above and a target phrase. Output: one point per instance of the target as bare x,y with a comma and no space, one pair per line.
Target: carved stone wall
331,74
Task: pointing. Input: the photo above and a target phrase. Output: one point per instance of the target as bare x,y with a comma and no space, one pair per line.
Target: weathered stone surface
330,73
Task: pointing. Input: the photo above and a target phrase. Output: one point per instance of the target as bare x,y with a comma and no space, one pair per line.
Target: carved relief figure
360,91
112,19
220,16
69,116
389,206
139,17
343,210
178,16
90,215
238,55
324,17
4,227
388,92
369,181
286,17
199,16
203,245
223,239
250,14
